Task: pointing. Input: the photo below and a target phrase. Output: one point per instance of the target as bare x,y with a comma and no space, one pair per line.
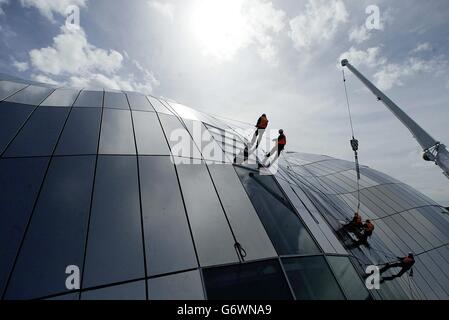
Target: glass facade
96,179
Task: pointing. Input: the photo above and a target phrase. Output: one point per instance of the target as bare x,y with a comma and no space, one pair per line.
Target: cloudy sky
239,58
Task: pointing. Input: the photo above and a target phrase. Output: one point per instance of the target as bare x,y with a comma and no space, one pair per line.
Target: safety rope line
354,141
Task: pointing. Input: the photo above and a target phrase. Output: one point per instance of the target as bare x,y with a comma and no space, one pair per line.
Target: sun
219,27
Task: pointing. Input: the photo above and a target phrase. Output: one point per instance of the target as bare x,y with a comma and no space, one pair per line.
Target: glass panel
251,281
57,233
178,137
117,133
168,242
284,227
352,285
70,296
245,223
115,100
92,99
127,291
20,180
40,134
312,279
139,102
149,135
208,222
33,95
12,117
7,88
114,248
158,106
61,98
81,132
181,286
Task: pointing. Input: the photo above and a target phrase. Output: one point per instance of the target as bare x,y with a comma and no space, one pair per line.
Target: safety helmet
281,131
410,254
264,115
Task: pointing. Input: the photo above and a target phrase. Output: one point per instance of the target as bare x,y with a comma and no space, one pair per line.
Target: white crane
433,150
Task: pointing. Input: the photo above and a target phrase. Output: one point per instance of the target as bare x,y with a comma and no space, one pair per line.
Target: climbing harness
354,142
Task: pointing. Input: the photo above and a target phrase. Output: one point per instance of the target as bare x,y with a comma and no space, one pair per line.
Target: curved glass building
95,182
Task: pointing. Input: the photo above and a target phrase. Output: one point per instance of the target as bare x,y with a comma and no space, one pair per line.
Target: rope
354,141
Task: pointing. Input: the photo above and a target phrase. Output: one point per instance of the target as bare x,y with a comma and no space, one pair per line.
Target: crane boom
433,150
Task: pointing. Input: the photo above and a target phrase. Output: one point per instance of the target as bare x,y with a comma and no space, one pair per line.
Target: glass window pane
178,137
149,135
117,135
61,98
57,233
168,242
139,102
181,286
114,248
158,106
68,297
12,117
92,99
33,95
245,223
249,281
40,134
208,222
8,88
81,132
115,100
283,226
348,278
20,180
127,291
312,279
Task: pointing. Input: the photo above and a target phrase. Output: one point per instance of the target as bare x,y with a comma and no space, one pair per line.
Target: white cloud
318,23
421,47
44,79
369,58
72,53
49,7
359,35
78,63
395,74
2,3
20,66
164,8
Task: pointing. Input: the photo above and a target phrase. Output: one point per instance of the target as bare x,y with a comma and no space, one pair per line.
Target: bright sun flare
219,27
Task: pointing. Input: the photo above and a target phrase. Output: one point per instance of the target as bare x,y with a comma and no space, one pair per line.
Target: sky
241,58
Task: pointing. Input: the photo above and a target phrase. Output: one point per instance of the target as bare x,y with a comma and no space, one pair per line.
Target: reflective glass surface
261,281
149,135
139,102
40,134
158,106
115,100
312,279
33,95
180,286
168,242
114,247
12,117
89,99
57,232
8,88
61,98
127,291
20,180
208,222
81,132
117,136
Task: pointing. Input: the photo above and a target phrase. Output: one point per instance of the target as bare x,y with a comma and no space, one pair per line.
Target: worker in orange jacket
405,263
368,228
262,124
281,141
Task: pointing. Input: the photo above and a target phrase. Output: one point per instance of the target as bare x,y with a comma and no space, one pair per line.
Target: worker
281,141
262,124
356,221
368,228
405,263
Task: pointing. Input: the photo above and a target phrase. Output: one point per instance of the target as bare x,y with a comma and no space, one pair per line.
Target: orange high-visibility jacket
262,123
282,140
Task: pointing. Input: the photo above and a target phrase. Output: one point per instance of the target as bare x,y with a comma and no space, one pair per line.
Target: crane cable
354,142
